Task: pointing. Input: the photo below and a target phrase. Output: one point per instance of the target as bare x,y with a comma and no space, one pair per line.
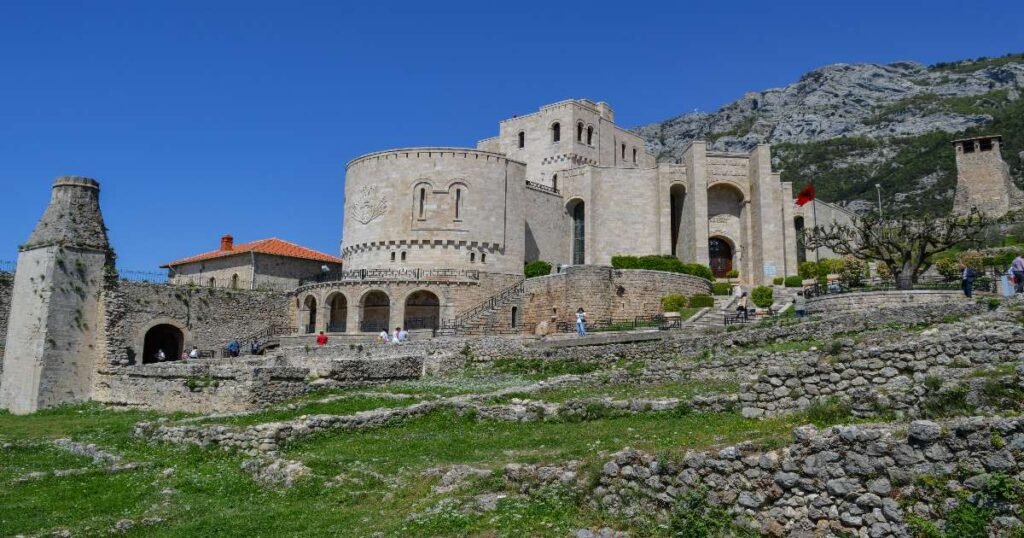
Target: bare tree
903,243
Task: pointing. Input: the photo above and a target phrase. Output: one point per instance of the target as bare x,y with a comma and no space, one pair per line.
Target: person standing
967,280
1017,268
233,348
800,304
741,307
321,339
581,322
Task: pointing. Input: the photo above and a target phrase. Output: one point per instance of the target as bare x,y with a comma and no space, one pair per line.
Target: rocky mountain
850,126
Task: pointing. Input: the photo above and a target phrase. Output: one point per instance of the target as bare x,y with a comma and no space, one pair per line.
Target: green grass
210,495
346,406
682,391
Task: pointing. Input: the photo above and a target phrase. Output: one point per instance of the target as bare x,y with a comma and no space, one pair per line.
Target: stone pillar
54,336
695,159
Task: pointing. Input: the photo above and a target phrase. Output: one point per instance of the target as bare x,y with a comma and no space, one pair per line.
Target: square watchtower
983,178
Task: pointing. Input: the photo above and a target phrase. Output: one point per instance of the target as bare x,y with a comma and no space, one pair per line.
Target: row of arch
422,311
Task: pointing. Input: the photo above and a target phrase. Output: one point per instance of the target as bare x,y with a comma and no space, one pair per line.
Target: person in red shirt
321,339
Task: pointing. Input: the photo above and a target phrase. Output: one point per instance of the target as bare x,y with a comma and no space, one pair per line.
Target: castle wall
270,272
548,228
983,179
622,216
6,289
604,293
208,318
383,193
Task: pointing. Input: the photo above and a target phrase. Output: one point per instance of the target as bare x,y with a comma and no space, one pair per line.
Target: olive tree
904,244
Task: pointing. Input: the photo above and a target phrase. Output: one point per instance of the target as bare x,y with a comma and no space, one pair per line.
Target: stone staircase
493,316
714,316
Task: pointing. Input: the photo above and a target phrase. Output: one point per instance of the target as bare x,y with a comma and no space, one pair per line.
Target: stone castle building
563,185
983,179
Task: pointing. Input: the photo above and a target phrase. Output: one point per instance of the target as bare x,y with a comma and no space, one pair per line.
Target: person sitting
395,334
383,336
321,339
403,336
194,354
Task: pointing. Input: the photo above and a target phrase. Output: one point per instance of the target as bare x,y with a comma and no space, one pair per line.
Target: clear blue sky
204,118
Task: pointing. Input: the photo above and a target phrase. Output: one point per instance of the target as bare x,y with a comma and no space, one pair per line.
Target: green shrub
721,288
824,412
694,517
732,273
701,301
778,281
794,281
662,263
808,269
762,296
853,271
673,302
537,268
947,403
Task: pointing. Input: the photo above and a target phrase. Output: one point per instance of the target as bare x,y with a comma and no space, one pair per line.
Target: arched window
522,139
634,155
234,281
556,132
623,152
590,135
554,182
578,233
392,256
472,257
579,132
483,257
423,199
403,256
458,204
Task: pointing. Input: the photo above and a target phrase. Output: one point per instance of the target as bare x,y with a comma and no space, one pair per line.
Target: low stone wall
868,300
198,387
885,378
848,479
604,293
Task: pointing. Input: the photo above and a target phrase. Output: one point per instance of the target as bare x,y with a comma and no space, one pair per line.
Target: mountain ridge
850,126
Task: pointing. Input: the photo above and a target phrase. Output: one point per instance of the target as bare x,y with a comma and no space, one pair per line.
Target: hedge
537,268
778,281
673,302
701,301
794,281
763,296
662,263
721,288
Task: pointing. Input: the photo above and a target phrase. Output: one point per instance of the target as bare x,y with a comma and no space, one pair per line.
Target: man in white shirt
403,335
194,354
394,335
383,336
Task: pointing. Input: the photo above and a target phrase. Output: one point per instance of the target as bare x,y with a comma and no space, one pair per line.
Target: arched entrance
163,337
677,196
337,306
720,253
422,311
578,213
376,312
309,319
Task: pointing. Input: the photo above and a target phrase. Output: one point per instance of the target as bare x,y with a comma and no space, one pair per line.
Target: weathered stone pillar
54,334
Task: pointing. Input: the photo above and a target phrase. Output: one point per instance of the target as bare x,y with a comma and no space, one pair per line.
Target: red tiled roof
273,246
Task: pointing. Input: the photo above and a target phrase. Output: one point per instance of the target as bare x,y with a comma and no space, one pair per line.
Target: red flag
806,195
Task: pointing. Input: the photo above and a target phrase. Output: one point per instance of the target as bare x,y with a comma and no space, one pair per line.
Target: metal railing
156,277
413,324
541,187
655,321
488,304
373,326
391,274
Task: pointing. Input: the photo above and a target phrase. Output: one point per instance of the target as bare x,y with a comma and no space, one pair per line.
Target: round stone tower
54,333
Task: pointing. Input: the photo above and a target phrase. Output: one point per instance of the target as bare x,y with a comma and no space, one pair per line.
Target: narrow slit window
579,132
554,182
634,155
590,135
522,139
556,132
403,256
458,204
472,257
623,152
392,256
483,257
423,199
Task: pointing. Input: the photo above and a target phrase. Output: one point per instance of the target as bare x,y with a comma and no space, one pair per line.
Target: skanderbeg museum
564,185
